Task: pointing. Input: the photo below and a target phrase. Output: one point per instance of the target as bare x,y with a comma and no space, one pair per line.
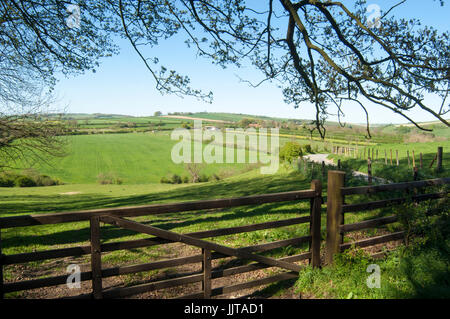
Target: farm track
319,158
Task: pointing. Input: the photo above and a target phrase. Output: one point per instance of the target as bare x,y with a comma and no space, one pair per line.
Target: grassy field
141,159
311,283
136,158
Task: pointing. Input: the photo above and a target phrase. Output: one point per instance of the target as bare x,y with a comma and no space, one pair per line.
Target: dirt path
319,158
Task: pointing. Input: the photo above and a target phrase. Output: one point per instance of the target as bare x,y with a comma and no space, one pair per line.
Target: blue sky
122,85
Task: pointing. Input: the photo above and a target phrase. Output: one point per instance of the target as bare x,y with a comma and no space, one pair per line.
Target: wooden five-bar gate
210,250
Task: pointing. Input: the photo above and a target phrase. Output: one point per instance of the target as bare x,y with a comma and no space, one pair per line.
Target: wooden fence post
96,258
415,173
385,157
413,159
396,157
391,157
323,169
409,161
206,268
421,160
316,208
369,170
439,159
334,214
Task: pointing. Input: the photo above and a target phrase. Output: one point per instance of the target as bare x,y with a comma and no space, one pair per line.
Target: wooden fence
336,229
337,207
389,158
210,250
372,156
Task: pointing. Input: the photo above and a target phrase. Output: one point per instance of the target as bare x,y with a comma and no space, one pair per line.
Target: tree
310,128
28,132
291,151
157,113
322,52
245,122
28,138
194,169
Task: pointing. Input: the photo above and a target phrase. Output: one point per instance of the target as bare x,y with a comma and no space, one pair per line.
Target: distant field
136,158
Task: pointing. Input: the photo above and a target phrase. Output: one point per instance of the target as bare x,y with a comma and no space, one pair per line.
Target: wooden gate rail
122,270
206,252
175,237
95,249
58,218
336,209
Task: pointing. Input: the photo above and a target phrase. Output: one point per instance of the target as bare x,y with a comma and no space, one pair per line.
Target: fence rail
336,209
58,218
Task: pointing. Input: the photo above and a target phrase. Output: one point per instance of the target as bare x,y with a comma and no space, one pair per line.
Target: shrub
6,182
25,181
203,178
290,151
11,179
176,179
307,148
164,180
108,178
44,180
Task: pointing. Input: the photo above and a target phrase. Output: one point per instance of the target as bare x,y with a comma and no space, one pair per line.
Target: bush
25,181
176,179
290,151
27,178
108,178
44,180
164,180
6,182
307,148
203,178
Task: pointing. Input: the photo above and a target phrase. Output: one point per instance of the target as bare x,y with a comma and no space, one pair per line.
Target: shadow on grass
35,204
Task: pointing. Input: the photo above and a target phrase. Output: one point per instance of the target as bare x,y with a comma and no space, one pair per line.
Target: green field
136,158
348,277
140,159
